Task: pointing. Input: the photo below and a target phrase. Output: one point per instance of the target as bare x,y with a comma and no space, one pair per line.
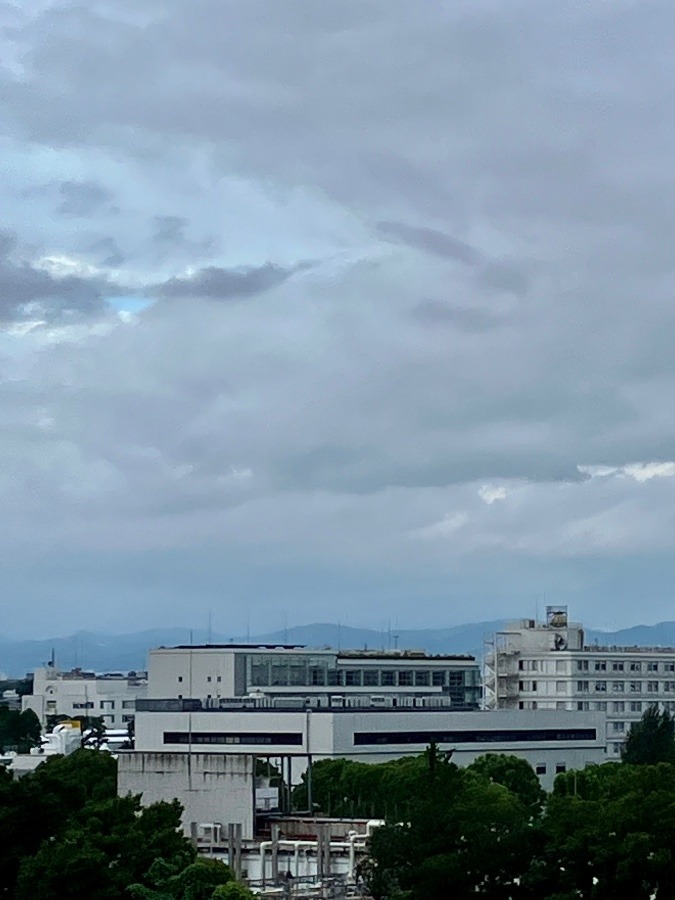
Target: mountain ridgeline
107,653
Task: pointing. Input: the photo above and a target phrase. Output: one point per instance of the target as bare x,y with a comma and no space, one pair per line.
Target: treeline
65,835
489,831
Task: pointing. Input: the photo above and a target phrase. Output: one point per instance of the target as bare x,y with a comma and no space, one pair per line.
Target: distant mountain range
112,653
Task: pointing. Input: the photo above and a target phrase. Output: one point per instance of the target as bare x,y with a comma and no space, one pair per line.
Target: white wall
212,787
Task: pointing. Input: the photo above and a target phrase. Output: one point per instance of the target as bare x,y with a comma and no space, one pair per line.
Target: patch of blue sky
129,303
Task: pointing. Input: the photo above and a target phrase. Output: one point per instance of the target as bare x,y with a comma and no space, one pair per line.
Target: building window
219,678
669,686
317,676
618,727
617,667
540,768
560,768
669,667
371,677
353,677
387,678
220,737
88,705
635,706
533,665
618,687
652,667
560,687
636,667
180,678
582,705
601,706
128,704
208,678
479,736
560,704
438,679
335,677
582,686
601,686
601,667
405,679
521,685
422,679
107,704
635,687
534,685
126,719
582,665
652,687
619,706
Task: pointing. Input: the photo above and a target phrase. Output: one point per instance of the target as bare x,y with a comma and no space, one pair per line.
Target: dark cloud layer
467,392
29,292
217,283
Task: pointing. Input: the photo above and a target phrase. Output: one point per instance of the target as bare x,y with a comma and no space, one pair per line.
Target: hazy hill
105,653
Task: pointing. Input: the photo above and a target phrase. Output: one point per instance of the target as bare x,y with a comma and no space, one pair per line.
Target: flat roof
406,654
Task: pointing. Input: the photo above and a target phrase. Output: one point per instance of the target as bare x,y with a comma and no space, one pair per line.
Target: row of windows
105,704
282,738
585,665
423,738
265,675
634,706
540,768
506,736
633,687
589,665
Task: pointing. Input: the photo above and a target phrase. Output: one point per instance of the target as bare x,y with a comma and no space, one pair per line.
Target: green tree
108,846
19,731
651,740
514,773
39,806
466,837
235,890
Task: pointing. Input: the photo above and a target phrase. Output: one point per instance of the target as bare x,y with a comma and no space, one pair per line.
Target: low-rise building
549,666
111,696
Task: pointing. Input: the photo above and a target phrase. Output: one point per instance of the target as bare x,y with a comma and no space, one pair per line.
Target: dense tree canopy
19,731
65,835
651,740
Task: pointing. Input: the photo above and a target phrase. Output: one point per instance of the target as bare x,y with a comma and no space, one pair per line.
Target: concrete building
79,693
269,727
232,671
549,666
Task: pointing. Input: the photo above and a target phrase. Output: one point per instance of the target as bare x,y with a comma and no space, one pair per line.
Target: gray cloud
29,292
431,241
169,229
81,198
221,284
508,321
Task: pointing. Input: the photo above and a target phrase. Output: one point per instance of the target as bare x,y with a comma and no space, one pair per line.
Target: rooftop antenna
52,660
395,636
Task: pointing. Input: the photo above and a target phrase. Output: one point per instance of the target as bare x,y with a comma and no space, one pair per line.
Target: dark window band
228,737
510,736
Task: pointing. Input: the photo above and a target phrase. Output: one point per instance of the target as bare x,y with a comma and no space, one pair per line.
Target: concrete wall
327,734
212,787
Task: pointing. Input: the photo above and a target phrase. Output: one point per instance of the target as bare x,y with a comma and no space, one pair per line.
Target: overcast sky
350,310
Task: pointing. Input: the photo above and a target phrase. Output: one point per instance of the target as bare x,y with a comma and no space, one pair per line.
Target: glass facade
293,670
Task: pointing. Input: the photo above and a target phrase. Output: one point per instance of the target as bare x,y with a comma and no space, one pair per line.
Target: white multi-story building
549,666
212,672
271,728
111,696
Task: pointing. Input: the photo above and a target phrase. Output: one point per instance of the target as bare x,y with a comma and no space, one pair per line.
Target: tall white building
549,666
111,696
